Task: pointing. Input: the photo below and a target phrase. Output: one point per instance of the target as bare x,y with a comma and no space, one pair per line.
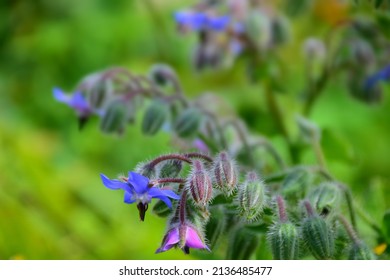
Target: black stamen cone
142,208
82,121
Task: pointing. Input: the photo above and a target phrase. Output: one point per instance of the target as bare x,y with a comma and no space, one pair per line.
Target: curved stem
352,234
159,159
199,155
276,113
318,153
243,138
271,149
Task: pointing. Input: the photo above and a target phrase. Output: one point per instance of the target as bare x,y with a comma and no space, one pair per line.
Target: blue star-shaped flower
201,21
137,189
76,101
382,75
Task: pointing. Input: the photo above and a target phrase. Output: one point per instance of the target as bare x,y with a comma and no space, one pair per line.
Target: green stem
243,138
272,151
369,221
276,113
319,154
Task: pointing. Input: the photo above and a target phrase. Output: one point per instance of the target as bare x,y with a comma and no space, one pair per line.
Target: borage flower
185,236
138,189
382,75
198,21
77,101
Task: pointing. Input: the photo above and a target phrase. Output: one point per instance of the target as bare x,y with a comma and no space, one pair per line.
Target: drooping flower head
139,190
184,236
77,101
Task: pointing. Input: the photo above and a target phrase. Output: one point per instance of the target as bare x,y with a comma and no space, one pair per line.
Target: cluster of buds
244,26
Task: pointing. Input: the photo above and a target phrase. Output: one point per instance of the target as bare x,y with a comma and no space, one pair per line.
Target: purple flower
185,236
76,101
381,75
200,21
138,189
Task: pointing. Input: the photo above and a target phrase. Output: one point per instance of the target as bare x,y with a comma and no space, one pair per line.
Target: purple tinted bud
185,236
225,173
199,183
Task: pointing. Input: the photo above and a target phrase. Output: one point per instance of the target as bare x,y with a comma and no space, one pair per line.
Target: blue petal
60,96
165,200
163,195
79,102
115,184
219,23
139,182
129,198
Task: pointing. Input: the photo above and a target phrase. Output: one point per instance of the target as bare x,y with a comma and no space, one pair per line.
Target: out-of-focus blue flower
137,189
185,236
382,75
200,21
76,101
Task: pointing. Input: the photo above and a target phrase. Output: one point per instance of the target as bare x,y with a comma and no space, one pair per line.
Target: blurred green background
52,202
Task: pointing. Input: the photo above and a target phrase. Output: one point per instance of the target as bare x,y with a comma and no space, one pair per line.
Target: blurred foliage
52,202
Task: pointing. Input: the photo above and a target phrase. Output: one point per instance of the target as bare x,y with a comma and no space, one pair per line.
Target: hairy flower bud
199,183
114,118
170,168
295,184
225,173
251,197
161,74
146,169
284,240
325,198
259,29
188,123
280,30
360,251
317,235
155,116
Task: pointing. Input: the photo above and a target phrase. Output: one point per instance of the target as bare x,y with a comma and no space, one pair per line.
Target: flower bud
155,116
225,173
284,240
258,28
114,118
242,244
280,30
317,235
295,184
309,131
314,50
146,169
360,251
199,183
251,197
170,168
188,123
325,198
161,74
